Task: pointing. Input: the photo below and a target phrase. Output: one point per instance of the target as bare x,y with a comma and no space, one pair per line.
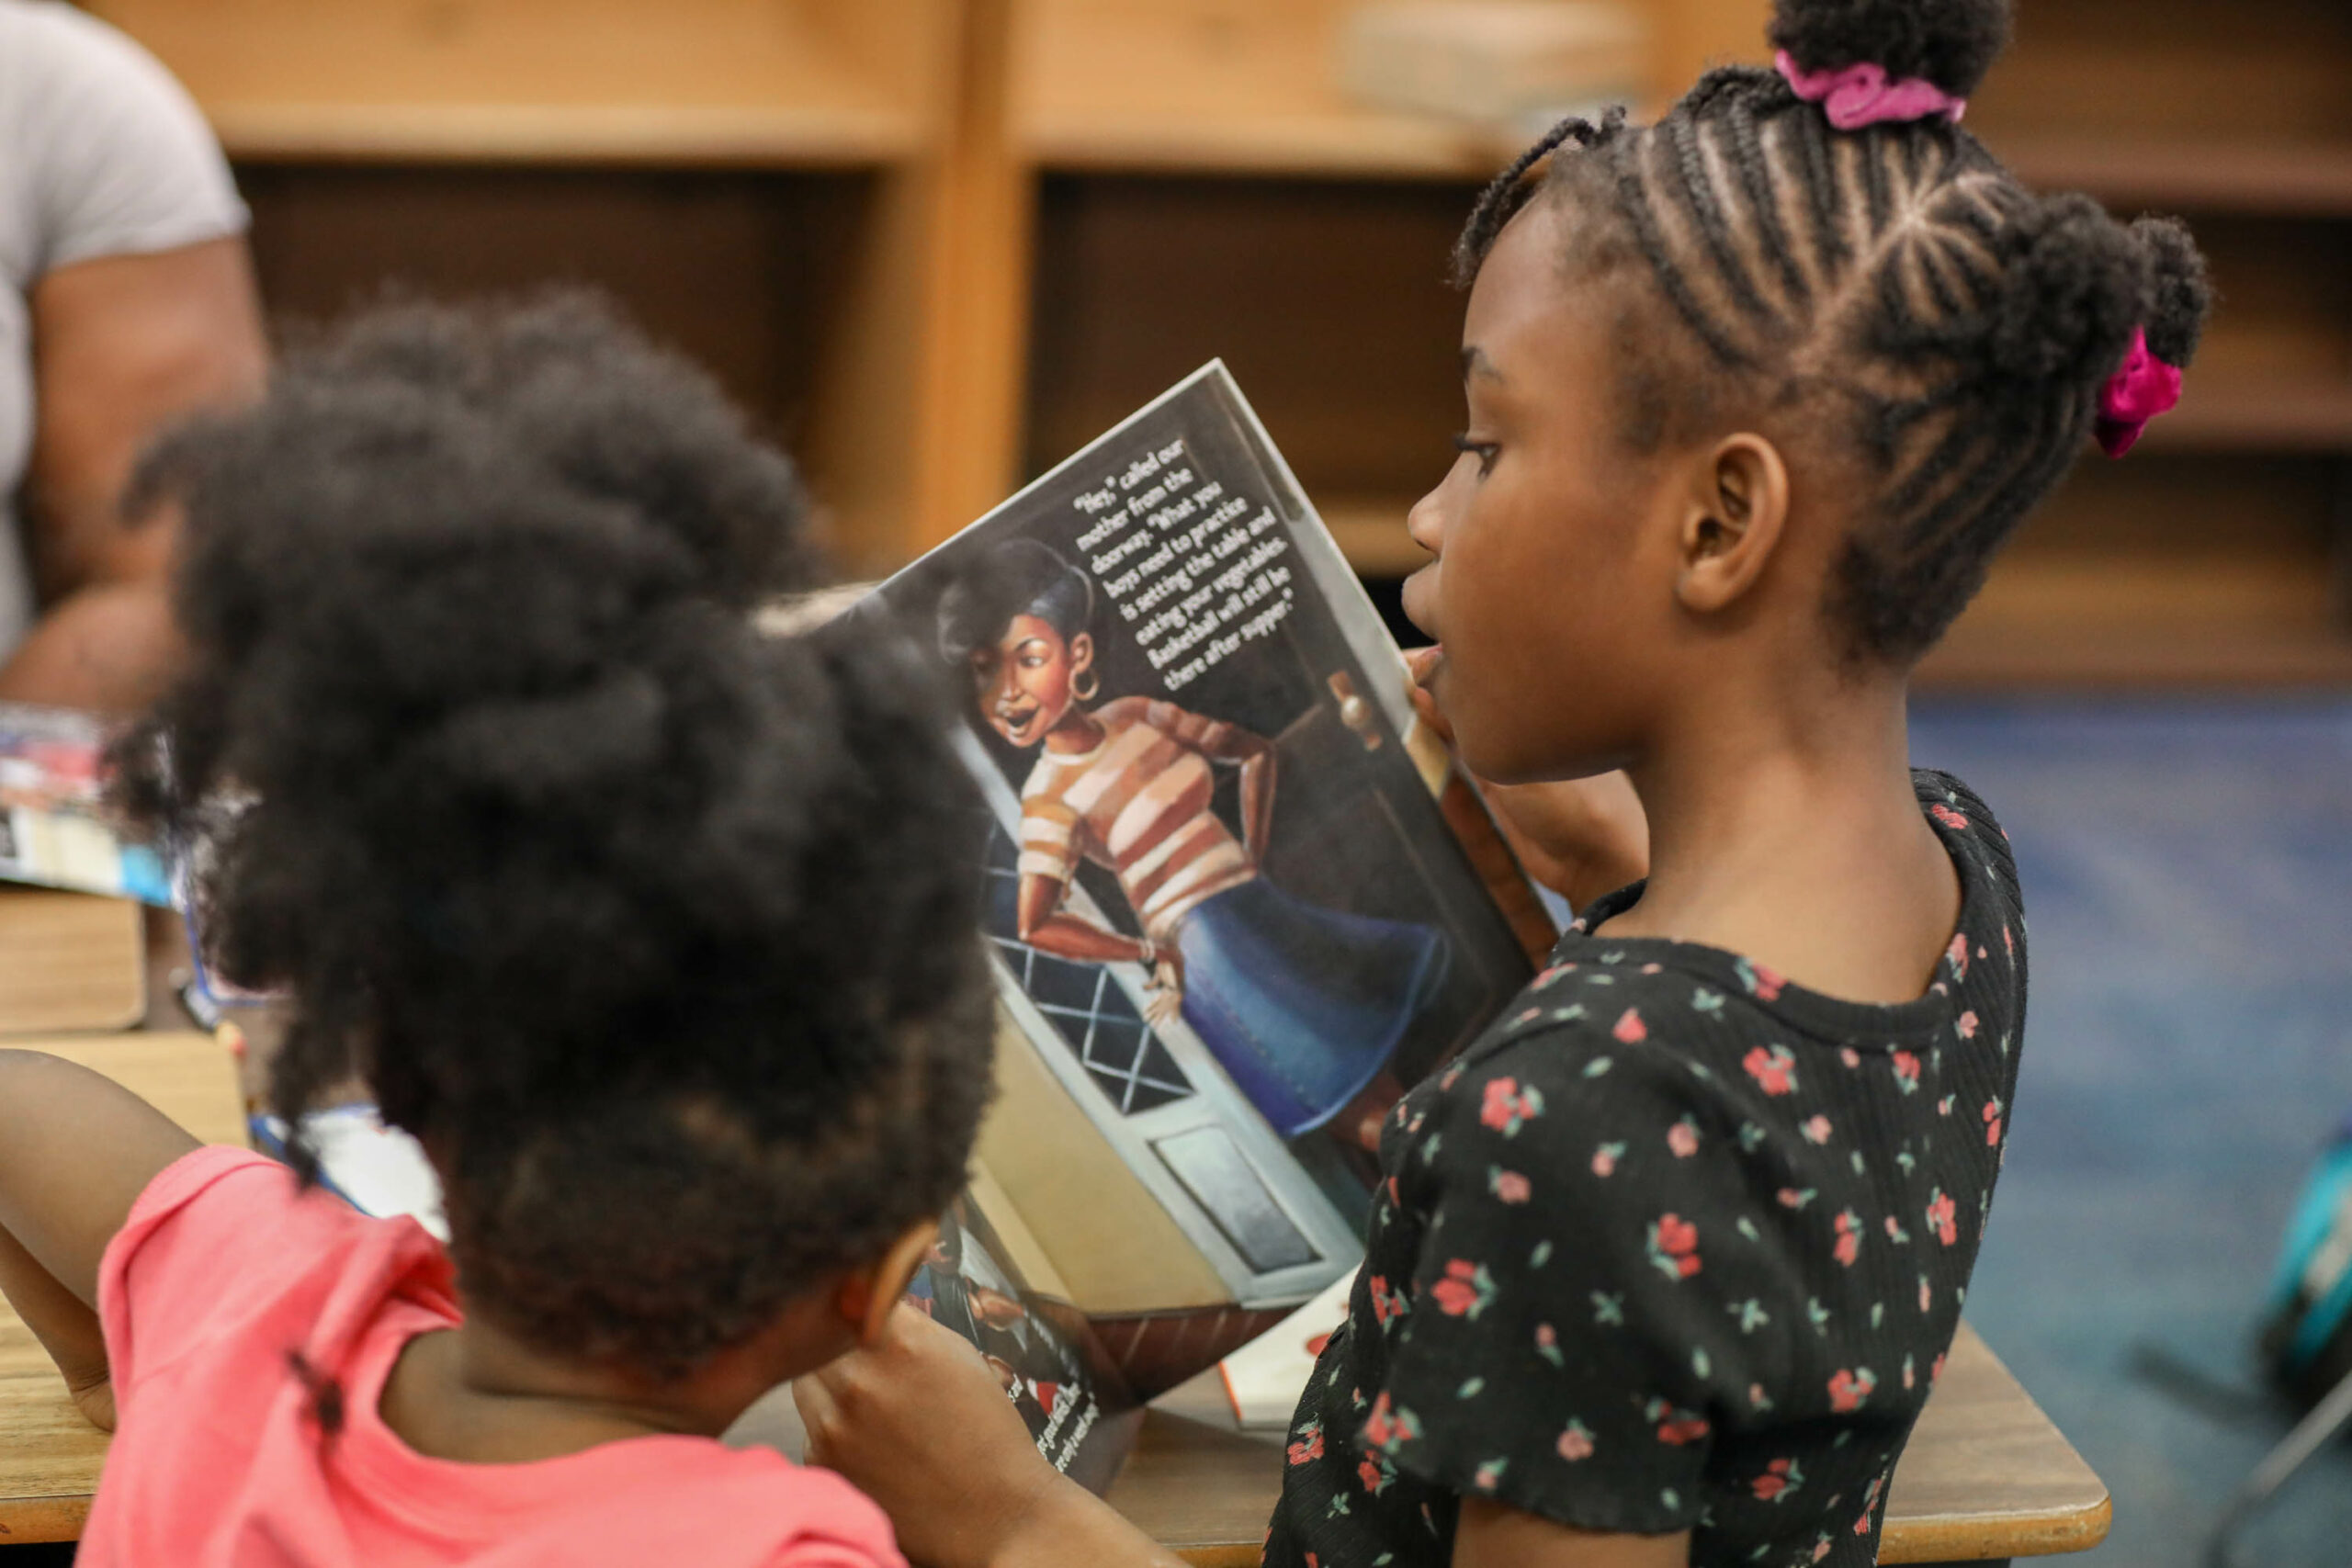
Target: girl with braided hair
1666,1265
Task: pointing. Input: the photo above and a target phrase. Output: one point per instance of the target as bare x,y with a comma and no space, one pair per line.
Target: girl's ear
1738,509
868,1295
1081,652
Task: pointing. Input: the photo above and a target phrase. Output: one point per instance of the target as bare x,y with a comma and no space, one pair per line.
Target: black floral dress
1677,1246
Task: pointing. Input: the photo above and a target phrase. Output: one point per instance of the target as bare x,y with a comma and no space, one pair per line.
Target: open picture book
1238,900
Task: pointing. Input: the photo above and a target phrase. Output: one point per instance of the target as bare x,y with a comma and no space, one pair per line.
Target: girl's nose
1426,521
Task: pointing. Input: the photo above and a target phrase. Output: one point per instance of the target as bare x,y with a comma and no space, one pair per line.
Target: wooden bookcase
936,244
762,183
2216,553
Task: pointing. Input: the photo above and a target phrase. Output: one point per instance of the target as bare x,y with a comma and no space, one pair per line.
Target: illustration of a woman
1301,1006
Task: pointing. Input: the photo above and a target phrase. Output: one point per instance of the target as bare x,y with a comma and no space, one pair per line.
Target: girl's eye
1485,451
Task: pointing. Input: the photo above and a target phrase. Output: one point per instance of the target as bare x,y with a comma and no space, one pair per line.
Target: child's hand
1581,838
1165,1003
95,1400
920,1423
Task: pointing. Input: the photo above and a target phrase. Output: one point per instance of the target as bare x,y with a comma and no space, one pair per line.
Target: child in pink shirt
655,931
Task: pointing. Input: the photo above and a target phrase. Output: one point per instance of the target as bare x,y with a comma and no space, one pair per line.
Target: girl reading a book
1666,1265
1301,1005
657,934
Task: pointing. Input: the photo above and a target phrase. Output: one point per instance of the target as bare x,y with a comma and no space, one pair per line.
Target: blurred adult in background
127,303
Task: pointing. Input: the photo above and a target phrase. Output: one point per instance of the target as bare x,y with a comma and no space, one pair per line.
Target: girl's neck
1791,833
479,1394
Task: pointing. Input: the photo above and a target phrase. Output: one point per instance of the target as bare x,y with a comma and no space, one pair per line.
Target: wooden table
1987,1476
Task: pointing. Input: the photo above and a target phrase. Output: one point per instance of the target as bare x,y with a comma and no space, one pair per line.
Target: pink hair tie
2144,388
1860,95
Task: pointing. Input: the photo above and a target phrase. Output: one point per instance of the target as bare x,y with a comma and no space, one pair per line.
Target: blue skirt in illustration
1303,1006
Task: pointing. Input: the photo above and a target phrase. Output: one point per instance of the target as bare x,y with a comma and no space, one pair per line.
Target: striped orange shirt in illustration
1139,802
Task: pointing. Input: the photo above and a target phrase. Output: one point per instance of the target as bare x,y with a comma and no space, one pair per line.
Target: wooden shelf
1250,88
2283,419
2309,180
1212,85
2092,618
824,83
603,135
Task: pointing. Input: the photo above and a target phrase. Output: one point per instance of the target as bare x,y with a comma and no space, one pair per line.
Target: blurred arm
124,346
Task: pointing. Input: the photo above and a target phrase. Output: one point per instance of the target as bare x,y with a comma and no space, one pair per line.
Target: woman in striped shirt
1301,1006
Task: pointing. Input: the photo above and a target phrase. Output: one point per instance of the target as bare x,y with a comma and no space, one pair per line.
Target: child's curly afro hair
660,933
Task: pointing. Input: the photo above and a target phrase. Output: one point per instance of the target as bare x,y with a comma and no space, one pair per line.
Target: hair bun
2180,295
2071,295
1950,43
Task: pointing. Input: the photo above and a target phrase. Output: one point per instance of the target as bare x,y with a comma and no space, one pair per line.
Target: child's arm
920,1425
76,1149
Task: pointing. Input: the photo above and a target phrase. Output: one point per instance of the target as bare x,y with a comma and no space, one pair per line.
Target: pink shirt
223,1268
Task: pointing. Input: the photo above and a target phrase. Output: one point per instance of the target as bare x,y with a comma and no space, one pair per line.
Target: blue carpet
2188,870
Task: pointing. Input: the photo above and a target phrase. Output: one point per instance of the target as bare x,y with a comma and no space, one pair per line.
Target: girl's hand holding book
1581,838
920,1423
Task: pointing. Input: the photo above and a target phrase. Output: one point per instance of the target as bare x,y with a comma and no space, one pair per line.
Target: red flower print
1780,1477
1967,1024
1508,1185
1631,1030
1375,1480
1850,1056
1676,1428
1792,1199
1927,1296
1816,1129
1674,1246
1936,1371
1948,817
1576,1443
1388,1426
1529,1015
1993,1123
1956,954
1941,1217
1683,1138
1394,1201
1310,1447
1547,1344
1604,1158
1761,980
1848,1389
1386,1303
1506,1106
1849,1238
1774,1069
1465,1290
1907,1071
1820,1550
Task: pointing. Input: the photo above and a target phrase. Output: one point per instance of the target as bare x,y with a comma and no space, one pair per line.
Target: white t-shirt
101,155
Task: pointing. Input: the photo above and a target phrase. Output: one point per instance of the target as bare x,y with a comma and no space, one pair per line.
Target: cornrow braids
1947,332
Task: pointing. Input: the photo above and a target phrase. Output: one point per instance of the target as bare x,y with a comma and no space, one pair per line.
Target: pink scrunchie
1860,95
2144,388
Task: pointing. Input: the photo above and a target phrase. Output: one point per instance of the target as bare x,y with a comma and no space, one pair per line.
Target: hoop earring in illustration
1091,691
